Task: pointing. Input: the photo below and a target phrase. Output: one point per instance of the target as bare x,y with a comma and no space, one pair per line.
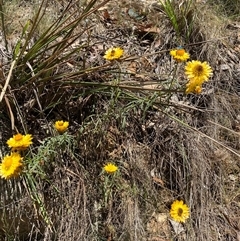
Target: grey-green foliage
50,149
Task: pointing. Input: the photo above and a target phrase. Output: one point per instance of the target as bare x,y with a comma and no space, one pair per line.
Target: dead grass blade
200,133
7,80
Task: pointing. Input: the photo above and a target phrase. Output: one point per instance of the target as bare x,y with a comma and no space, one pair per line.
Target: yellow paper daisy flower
61,126
193,86
113,53
198,71
180,55
179,211
20,142
110,168
11,166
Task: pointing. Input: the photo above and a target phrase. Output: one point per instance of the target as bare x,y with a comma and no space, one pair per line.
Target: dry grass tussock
167,145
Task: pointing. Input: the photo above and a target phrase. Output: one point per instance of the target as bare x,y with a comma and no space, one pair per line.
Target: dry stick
225,128
7,80
200,133
10,112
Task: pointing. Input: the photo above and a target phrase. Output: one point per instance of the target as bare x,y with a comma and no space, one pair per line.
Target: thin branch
7,80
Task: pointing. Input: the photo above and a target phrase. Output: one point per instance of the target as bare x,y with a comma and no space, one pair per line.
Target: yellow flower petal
61,126
179,211
199,71
113,53
110,168
11,166
180,55
194,86
20,142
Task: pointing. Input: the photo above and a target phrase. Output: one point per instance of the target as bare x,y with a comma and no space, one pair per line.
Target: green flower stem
3,25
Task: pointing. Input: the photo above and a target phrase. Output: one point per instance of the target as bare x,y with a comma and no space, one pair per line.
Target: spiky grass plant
41,63
181,16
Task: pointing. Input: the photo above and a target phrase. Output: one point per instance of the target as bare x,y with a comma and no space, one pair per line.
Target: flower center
180,52
198,70
18,137
180,212
112,53
60,123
